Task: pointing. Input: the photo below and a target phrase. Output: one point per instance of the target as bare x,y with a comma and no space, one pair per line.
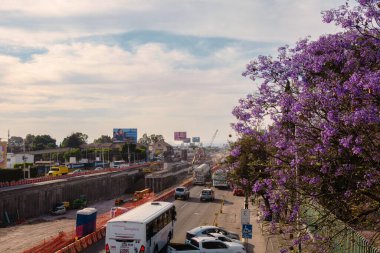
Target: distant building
13,159
160,147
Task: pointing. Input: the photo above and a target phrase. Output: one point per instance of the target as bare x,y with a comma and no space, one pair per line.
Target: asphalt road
190,213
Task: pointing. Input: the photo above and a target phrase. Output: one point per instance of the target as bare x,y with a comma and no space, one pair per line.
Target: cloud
78,84
160,66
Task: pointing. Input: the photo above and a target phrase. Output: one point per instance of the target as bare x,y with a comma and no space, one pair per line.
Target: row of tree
75,140
320,102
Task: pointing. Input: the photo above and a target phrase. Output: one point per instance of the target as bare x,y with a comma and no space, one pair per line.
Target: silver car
224,238
205,230
207,194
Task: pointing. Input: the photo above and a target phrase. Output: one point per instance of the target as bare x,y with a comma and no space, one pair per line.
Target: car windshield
180,189
206,192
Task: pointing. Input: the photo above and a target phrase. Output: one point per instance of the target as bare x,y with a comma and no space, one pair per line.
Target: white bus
144,229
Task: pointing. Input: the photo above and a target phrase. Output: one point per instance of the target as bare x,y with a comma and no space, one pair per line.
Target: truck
206,244
201,174
219,178
58,170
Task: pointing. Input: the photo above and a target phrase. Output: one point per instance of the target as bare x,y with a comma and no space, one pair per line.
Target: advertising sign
3,155
187,140
196,139
179,136
124,135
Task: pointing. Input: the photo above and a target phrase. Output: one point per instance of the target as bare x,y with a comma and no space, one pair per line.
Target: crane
213,138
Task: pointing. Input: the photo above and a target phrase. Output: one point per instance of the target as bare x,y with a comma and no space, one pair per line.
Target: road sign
247,231
245,216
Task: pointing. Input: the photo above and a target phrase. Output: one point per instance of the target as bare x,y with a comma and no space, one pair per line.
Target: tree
41,142
16,144
322,98
247,161
28,142
75,152
75,140
148,140
103,139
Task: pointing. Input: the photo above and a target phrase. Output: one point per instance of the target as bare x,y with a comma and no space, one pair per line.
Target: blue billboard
124,135
196,139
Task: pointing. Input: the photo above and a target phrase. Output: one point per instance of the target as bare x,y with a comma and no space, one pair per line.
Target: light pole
297,191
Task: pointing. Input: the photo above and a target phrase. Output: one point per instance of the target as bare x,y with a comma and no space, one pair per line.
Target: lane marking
184,205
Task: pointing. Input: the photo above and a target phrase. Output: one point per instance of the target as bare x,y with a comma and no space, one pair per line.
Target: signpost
247,231
247,228
245,216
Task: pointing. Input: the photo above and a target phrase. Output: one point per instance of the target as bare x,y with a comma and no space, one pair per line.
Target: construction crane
213,138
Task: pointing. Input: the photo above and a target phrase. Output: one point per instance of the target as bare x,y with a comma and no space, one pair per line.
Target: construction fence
66,241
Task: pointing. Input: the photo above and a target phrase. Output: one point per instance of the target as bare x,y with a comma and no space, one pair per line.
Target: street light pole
297,191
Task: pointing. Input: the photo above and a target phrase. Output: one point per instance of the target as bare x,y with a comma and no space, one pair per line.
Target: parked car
58,209
181,193
223,238
207,194
76,171
99,168
204,230
206,244
238,192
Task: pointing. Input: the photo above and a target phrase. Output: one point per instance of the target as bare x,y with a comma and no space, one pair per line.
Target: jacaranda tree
322,99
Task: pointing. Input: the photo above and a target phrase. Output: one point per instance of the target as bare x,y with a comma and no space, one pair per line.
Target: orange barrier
78,246
50,245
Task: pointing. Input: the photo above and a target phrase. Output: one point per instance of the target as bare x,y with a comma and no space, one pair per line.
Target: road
191,213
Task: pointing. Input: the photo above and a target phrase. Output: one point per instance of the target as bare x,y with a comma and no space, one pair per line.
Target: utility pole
129,155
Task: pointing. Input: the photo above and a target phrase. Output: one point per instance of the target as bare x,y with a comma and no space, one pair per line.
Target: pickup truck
206,245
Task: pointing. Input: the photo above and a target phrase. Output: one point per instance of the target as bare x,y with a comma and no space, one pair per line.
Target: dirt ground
34,231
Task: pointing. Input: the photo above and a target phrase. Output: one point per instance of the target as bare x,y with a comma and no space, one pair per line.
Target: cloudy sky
156,65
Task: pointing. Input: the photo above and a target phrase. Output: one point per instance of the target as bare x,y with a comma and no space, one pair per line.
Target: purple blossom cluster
323,100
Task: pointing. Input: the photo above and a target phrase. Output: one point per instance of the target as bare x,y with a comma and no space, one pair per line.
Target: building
159,148
13,159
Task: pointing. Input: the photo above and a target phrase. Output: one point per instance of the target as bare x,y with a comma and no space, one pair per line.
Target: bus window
155,227
149,231
174,214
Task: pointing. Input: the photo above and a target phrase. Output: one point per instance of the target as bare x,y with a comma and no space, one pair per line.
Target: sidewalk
262,240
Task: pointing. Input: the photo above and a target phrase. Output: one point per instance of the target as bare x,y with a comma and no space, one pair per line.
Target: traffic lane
98,247
192,213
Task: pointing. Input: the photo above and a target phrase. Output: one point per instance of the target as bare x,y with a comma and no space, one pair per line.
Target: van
58,171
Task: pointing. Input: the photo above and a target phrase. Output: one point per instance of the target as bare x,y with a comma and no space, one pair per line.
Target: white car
224,238
210,244
205,230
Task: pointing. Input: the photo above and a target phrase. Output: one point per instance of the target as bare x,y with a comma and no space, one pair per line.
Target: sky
162,66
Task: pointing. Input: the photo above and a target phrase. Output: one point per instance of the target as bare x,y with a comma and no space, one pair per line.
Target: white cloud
96,81
159,87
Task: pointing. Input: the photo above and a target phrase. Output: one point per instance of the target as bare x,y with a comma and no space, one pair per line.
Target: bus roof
144,212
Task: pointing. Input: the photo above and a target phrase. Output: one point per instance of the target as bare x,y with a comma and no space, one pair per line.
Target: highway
191,213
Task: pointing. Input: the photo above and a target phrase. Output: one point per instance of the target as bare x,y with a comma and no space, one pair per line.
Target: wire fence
342,238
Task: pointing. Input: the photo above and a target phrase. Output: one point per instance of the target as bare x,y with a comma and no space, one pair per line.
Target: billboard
3,154
124,135
186,140
196,139
179,136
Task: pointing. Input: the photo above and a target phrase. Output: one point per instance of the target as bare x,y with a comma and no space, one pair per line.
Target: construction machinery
213,138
